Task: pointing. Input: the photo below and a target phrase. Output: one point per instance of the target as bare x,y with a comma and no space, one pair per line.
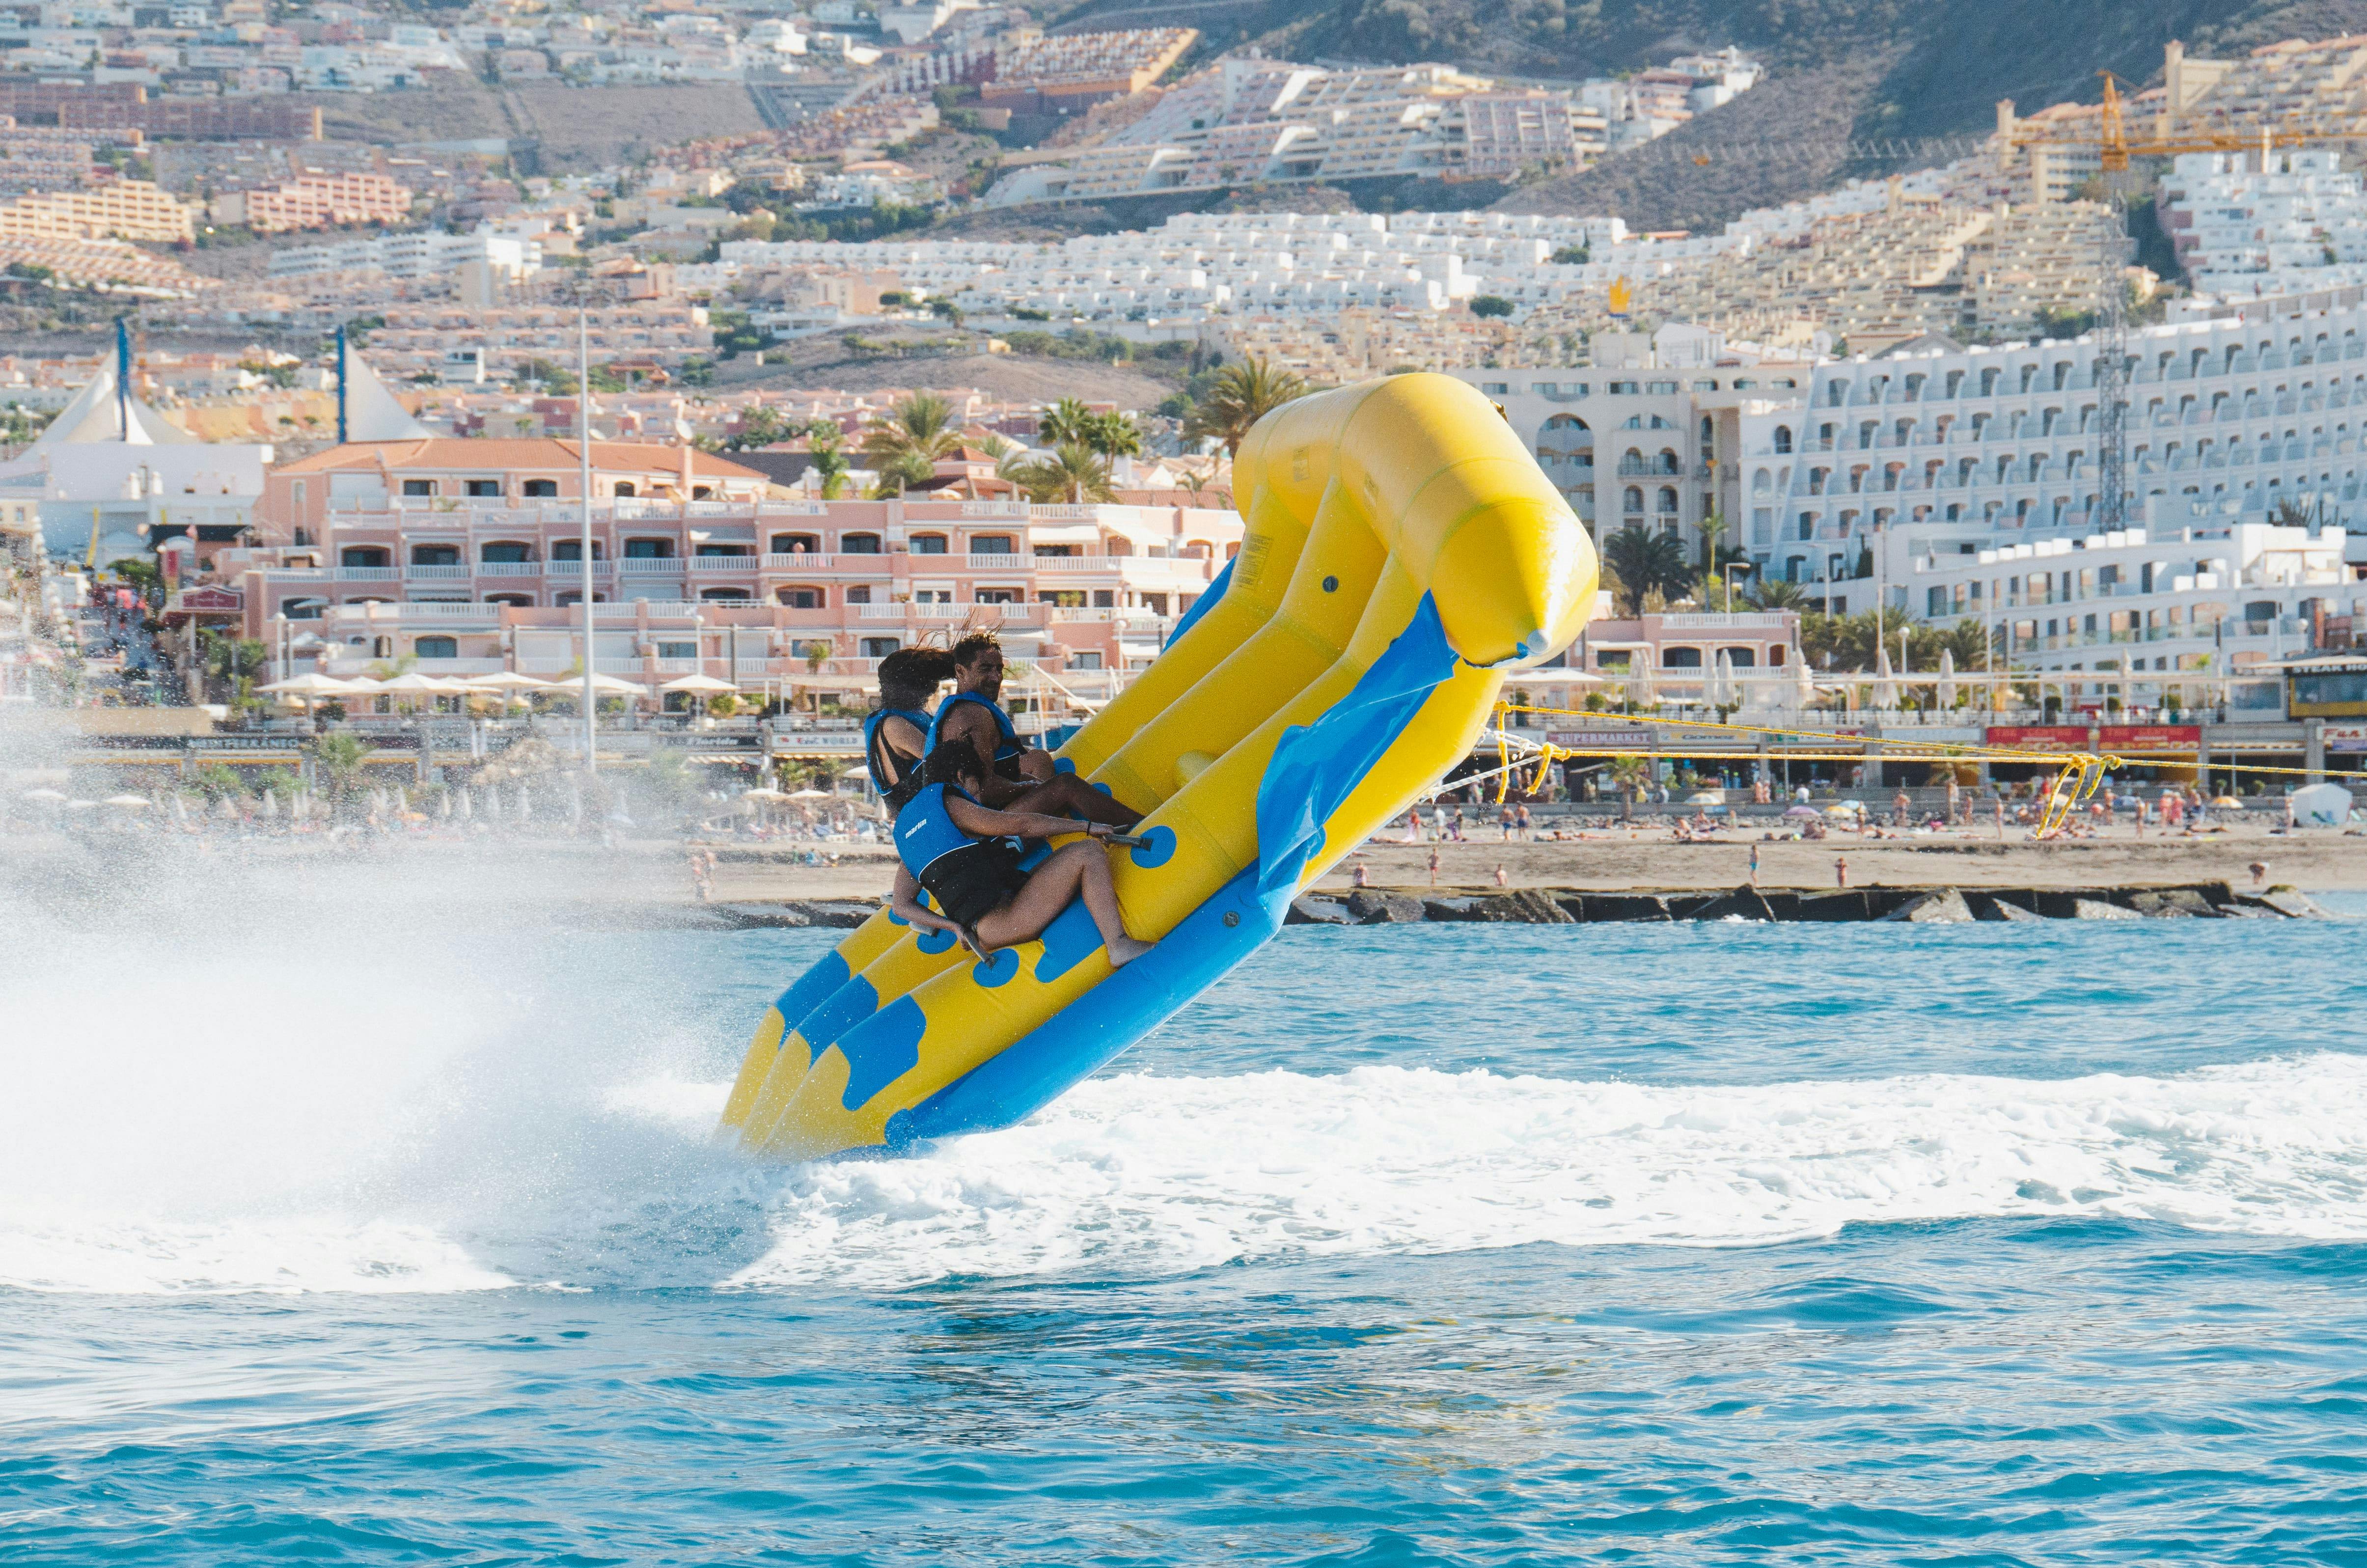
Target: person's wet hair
952,763
910,676
974,647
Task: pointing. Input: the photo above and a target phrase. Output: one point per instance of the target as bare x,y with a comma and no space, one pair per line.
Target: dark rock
2246,912
2096,909
2292,904
842,914
2172,903
1942,906
1455,907
1537,907
1370,906
757,916
1624,906
1849,906
1743,903
1310,909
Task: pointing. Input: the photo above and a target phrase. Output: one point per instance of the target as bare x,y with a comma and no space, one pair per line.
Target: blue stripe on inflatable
849,1005
1202,605
1070,1047
1315,765
818,984
881,1049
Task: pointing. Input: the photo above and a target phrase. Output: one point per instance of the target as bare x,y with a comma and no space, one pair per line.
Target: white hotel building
1944,468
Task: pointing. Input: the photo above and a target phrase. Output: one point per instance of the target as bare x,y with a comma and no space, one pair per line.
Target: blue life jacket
1009,746
907,770
926,830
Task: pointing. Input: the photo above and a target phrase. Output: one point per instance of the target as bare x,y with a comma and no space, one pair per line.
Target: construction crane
2115,147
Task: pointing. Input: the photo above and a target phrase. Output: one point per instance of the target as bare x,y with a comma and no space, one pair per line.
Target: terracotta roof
536,453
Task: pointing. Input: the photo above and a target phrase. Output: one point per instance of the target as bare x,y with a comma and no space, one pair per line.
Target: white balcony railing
710,565
437,574
510,568
814,561
651,565
1005,561
369,574
566,569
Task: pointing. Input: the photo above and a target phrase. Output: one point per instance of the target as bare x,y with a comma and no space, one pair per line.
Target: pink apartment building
467,556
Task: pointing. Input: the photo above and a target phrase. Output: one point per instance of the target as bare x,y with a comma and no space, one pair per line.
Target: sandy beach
1648,861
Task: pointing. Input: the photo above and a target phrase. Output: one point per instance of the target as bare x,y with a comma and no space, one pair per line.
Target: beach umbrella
129,803
1884,694
698,683
1803,683
507,685
311,684
50,796
1640,684
467,806
1721,684
1800,811
2128,680
270,806
1947,677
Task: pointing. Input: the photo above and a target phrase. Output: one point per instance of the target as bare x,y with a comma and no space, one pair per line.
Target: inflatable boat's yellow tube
1400,552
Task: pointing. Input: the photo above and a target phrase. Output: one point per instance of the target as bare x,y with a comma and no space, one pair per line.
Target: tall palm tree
1113,436
1067,420
1774,593
1240,396
1645,561
920,428
1073,472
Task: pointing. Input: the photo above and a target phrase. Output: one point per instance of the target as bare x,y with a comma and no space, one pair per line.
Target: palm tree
337,756
1774,593
1645,561
1067,420
918,430
1239,397
1073,472
1630,774
831,463
1115,436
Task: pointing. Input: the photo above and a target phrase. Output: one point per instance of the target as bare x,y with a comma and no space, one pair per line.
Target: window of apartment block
998,595
624,489
649,549
1496,389
1155,603
797,544
859,594
798,598
723,595
928,545
1104,598
677,649
419,487
436,647
435,555
573,550
725,550
362,556
1067,599
544,487
484,487
878,647
863,544
506,551
1084,661
991,544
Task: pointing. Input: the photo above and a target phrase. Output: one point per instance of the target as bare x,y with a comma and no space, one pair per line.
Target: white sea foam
1141,1173
355,1095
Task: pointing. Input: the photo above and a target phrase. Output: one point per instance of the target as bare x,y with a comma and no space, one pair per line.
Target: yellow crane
2115,146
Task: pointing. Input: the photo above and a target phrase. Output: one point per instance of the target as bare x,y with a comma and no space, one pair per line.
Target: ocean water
382,1227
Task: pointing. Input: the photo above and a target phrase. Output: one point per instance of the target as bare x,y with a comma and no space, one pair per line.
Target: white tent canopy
371,411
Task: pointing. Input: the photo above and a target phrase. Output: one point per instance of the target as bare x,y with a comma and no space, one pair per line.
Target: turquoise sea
393,1234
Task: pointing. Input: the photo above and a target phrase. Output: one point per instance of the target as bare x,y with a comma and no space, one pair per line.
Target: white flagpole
583,453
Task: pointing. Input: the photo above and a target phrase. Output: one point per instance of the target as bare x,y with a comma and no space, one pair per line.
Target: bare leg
1069,796
1079,868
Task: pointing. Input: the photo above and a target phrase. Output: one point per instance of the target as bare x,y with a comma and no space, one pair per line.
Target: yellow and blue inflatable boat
1401,553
